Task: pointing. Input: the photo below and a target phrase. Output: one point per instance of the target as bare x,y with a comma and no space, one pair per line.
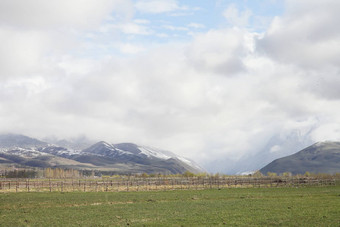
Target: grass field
307,206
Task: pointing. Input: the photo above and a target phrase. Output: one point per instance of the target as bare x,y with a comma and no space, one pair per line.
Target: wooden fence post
85,185
72,185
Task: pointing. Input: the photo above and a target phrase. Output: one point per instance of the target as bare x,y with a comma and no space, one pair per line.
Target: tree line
58,173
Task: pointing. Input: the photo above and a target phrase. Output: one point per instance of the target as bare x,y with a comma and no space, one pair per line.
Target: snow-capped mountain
129,149
130,153
21,150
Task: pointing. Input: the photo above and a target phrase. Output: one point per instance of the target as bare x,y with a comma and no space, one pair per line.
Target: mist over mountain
277,146
76,143
13,140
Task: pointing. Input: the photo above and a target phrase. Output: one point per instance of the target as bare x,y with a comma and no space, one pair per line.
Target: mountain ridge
124,158
321,157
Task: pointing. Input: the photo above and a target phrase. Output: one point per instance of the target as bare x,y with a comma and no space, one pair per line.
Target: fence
159,183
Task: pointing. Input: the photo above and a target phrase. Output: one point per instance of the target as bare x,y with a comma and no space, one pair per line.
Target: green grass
308,206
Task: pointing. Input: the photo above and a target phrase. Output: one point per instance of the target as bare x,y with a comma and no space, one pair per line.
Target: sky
209,80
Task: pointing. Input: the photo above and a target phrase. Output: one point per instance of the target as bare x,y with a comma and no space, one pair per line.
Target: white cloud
128,48
306,35
195,25
37,32
275,148
328,131
20,53
162,35
235,17
54,14
157,6
175,28
141,21
134,28
220,51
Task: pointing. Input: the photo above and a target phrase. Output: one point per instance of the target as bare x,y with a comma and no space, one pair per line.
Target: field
288,206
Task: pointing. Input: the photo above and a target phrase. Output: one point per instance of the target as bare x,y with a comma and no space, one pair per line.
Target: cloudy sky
210,80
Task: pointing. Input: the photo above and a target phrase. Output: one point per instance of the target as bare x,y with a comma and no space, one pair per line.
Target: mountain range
321,157
123,158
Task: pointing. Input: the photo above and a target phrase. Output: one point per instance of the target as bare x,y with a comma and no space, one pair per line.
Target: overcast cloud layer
116,70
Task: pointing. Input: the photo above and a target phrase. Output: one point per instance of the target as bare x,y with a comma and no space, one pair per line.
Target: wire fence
157,183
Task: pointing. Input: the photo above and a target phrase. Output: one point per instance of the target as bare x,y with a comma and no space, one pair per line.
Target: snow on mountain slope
23,152
103,148
151,152
165,155
58,151
191,163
